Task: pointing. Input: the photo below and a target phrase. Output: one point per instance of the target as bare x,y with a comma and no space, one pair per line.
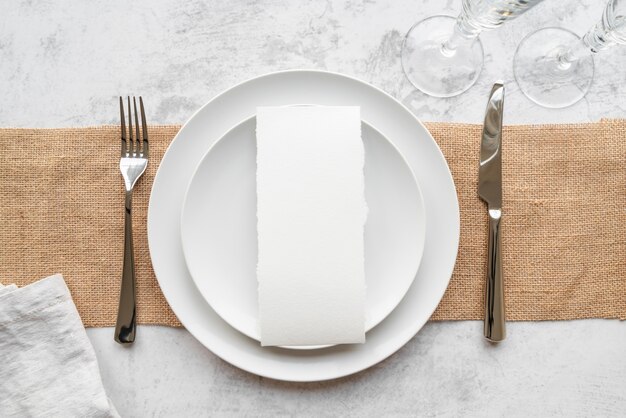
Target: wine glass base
542,78
429,69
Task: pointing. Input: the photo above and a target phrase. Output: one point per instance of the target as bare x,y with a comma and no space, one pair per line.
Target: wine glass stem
598,38
592,42
572,54
460,38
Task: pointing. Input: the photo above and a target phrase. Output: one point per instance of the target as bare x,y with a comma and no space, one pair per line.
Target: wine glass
443,58
554,67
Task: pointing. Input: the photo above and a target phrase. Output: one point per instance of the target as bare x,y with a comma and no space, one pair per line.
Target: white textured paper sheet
310,219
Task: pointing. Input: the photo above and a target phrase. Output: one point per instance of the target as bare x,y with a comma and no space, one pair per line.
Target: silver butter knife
490,190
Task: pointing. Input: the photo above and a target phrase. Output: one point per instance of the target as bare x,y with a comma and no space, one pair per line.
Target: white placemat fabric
48,367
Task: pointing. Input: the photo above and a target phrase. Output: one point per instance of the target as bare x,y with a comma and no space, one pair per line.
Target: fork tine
123,127
137,137
144,129
131,149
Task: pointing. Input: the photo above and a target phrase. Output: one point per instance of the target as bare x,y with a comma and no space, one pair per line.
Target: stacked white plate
202,225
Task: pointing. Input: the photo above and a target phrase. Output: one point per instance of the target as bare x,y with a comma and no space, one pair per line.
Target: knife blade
490,190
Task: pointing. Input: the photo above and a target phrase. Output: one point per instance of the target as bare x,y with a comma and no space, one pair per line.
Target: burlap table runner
564,242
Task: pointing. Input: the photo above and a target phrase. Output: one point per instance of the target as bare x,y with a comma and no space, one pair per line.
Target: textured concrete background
65,63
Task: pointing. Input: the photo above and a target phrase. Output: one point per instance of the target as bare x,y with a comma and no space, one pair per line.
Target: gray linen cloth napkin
47,364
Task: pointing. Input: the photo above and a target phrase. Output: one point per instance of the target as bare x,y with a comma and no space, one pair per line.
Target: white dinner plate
219,235
206,126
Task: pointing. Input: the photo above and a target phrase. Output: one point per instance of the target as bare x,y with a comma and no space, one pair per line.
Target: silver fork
133,162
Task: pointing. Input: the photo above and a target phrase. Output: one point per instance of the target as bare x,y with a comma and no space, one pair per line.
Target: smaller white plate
219,239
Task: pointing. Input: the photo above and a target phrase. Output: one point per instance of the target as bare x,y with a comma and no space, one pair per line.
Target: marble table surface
65,63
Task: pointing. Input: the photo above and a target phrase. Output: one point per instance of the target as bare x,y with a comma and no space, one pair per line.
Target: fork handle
125,327
495,329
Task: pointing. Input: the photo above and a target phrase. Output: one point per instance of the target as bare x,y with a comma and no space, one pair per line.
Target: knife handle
495,329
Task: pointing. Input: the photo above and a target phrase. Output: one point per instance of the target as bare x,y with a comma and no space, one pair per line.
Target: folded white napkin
48,367
310,221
